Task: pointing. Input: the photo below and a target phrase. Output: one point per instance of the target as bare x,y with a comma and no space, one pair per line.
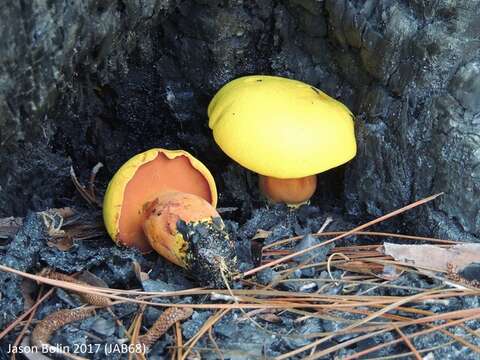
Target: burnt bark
82,82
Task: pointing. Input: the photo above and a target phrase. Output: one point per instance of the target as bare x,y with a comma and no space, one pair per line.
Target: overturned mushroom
165,200
284,130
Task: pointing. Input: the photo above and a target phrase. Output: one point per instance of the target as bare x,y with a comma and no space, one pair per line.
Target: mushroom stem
289,191
188,231
162,216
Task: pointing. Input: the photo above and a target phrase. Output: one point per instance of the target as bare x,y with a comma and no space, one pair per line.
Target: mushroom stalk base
289,191
188,231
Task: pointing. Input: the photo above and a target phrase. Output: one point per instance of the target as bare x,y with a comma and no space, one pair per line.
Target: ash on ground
267,333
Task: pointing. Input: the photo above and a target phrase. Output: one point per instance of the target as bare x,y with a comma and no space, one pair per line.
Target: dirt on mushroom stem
210,253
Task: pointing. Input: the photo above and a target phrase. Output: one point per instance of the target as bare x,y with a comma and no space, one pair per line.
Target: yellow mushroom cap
142,179
280,127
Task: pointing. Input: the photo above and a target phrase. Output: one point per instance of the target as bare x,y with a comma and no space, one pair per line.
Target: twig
179,339
81,189
378,313
418,333
207,325
350,232
276,280
20,336
87,195
408,354
363,233
408,343
284,297
343,344
134,338
214,343
18,320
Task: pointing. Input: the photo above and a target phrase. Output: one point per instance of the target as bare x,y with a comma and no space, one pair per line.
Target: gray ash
210,252
272,338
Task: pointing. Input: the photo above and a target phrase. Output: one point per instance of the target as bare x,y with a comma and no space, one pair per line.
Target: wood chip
435,257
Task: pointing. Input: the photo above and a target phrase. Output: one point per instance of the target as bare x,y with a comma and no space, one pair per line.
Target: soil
266,337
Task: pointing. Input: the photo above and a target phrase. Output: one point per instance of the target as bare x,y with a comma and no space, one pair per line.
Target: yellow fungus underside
113,200
281,127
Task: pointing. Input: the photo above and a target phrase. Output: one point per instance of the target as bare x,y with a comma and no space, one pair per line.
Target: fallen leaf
63,243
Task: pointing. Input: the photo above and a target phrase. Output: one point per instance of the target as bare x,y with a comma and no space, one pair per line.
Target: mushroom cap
142,179
281,127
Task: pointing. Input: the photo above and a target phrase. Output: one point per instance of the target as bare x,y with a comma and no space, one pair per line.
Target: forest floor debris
364,294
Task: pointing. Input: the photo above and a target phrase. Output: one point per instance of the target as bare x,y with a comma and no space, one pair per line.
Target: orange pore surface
150,181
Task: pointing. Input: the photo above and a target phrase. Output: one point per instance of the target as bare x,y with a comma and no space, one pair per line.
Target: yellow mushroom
284,130
162,199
